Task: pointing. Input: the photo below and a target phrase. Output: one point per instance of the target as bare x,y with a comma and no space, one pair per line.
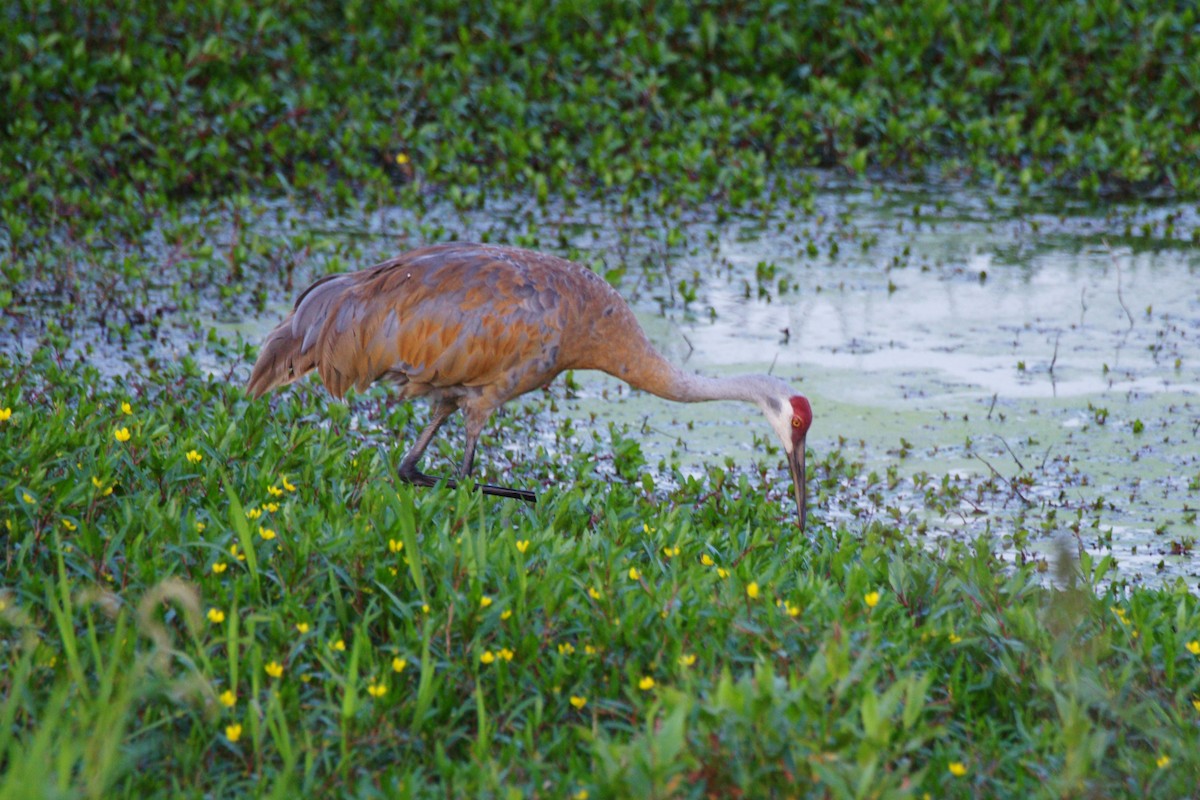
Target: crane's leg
476,419
408,471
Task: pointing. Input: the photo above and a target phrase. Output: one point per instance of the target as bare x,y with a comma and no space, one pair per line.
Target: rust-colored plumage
472,326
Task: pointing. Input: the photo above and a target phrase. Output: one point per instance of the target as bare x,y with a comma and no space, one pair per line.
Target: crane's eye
797,422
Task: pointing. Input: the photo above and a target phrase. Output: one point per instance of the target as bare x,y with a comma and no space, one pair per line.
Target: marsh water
1027,371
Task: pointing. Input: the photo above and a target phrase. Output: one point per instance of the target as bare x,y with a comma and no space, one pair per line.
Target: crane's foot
418,478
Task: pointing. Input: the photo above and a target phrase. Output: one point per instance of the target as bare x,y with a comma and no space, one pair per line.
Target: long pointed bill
799,486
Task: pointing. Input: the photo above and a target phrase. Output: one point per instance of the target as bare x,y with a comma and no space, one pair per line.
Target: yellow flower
955,638
228,698
121,434
377,690
633,573
302,627
395,545
126,409
957,769
792,611
578,702
722,572
287,485
5,413
194,457
646,683
670,551
425,608
274,491
398,664
233,551
566,649
707,560
1194,647
253,513
200,527
485,601
506,613
507,654
752,590
274,669
582,794
233,732
594,593
339,645
872,600
402,158
1163,761
219,566
266,533
27,497
487,657
687,659
1195,703
69,525
97,482
270,507
216,616
522,546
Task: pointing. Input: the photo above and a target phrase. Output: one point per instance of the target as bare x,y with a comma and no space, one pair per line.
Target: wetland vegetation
967,231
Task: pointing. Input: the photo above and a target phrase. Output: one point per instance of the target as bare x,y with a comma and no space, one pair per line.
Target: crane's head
791,416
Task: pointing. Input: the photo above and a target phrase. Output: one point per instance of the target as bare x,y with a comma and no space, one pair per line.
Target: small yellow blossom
687,659
955,638
395,545
957,769
1195,703
707,560
200,526
485,601
302,627
216,616
871,599
582,794
1194,647
122,434
752,590
722,572
401,159
1163,761
233,551
253,513
506,654
594,593
274,669
646,528
126,409
487,657
266,533
425,608
270,508
194,457
633,574
670,551
578,702
506,613
5,413
97,482
792,610
218,567
566,649
287,485
338,645
522,546
377,690
398,664
228,698
233,732
646,683
274,491
591,651
70,526
27,497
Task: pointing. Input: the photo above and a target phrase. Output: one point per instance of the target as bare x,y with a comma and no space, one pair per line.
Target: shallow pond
1033,373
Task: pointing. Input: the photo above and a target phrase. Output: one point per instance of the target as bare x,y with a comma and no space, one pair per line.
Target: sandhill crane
471,326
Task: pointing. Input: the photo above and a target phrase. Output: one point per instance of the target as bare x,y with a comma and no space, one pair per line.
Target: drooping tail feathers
288,353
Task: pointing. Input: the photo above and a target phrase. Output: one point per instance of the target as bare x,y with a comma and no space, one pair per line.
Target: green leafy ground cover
205,596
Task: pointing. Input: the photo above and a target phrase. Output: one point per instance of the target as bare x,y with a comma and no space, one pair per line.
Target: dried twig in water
1120,299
